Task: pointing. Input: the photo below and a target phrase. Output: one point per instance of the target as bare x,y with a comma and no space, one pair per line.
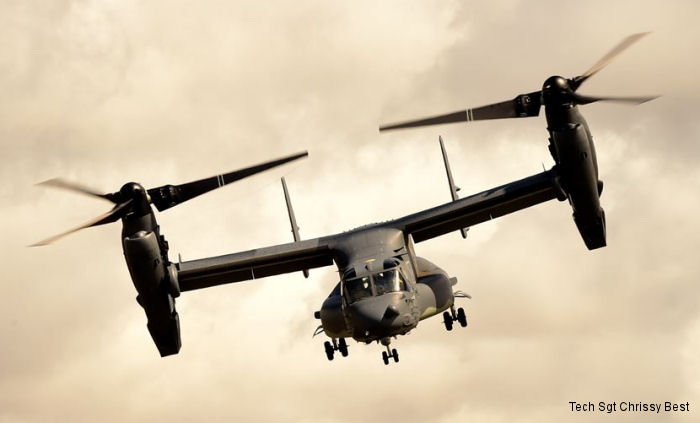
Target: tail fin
453,188
292,220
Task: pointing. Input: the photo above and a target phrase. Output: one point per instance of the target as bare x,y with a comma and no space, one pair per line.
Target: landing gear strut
336,345
449,317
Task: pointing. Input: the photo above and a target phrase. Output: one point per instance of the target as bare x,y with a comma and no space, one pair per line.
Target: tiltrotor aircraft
385,289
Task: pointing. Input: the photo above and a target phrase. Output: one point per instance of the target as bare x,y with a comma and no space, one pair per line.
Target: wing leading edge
254,264
479,208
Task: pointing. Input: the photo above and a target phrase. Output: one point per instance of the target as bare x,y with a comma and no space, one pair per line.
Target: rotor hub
137,194
558,89
132,190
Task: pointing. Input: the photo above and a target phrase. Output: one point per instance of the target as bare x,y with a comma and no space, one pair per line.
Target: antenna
292,219
453,189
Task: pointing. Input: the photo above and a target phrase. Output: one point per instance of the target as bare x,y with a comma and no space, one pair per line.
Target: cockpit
375,284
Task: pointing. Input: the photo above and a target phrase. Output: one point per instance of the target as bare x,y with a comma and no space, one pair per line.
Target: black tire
329,350
385,357
343,347
447,317
395,354
461,317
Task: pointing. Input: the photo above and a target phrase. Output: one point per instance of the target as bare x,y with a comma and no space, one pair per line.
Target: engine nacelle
577,170
592,229
157,286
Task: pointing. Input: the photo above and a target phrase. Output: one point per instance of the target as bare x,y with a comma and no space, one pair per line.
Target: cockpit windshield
378,283
358,288
389,281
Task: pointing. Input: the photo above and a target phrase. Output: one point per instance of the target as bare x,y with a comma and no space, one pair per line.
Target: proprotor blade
461,116
168,196
600,64
113,215
524,105
585,99
75,187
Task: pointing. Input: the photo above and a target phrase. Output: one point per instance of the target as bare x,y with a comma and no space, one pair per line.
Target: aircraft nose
379,317
368,312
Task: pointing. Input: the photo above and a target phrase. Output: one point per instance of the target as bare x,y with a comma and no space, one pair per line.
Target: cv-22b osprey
385,289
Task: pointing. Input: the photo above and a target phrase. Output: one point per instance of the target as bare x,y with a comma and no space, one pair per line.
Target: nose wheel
390,353
449,317
336,345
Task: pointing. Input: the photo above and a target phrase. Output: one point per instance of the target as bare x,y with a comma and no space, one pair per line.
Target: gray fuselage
385,290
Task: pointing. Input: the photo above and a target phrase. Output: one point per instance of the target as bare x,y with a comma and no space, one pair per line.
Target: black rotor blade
524,105
168,196
113,215
75,187
460,116
605,60
584,99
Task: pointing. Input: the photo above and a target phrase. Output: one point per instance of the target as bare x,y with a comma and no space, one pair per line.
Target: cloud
165,92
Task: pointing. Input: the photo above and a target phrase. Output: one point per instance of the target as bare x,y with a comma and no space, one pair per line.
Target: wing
479,208
427,224
254,264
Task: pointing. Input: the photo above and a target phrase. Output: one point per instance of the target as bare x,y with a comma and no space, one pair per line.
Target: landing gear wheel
395,354
329,350
447,318
385,357
343,347
461,317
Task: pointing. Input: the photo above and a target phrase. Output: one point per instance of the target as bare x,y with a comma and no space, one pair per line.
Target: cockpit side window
358,288
389,281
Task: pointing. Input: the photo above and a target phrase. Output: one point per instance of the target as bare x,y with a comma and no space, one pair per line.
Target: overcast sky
106,92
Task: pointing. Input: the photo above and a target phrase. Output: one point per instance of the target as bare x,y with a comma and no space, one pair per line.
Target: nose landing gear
449,317
389,353
337,345
386,355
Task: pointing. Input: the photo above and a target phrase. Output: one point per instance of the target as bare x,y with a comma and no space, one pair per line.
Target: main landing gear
389,353
337,345
451,316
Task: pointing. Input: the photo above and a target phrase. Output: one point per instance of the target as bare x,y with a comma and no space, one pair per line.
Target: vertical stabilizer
292,219
453,188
